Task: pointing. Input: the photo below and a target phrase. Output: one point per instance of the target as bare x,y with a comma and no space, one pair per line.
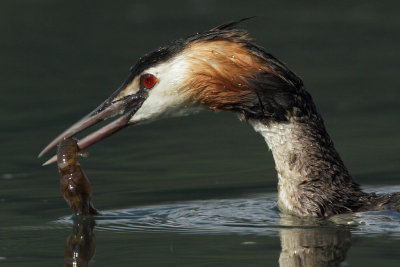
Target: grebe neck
312,179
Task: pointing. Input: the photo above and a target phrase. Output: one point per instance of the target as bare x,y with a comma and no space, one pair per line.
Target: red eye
148,80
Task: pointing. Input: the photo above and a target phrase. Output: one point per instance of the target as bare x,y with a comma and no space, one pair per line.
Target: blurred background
60,59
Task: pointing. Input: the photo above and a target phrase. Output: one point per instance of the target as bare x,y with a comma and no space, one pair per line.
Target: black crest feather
230,25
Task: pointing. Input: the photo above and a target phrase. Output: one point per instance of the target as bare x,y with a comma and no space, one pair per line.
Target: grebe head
220,69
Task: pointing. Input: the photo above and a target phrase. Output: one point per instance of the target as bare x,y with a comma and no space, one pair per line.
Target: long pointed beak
126,106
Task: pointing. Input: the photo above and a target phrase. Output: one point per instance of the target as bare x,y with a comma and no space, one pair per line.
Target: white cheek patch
167,98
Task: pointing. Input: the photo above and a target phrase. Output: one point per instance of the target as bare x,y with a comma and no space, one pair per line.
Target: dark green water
197,190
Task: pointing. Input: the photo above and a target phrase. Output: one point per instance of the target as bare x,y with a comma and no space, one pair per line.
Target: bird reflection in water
81,243
321,245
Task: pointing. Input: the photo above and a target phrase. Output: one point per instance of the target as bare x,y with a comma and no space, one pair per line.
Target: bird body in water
222,69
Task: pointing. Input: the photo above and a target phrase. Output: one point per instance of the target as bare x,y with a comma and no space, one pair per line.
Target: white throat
285,142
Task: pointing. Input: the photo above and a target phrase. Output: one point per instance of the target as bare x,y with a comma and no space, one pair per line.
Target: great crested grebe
221,69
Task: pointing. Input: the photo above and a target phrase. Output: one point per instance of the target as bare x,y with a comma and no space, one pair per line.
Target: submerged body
223,70
75,186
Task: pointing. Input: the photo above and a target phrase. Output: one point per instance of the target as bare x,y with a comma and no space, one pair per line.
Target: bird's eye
148,80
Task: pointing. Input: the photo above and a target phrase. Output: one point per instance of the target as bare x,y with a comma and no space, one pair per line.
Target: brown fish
75,186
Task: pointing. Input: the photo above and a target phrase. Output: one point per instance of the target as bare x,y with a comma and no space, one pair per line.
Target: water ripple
256,214
243,215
